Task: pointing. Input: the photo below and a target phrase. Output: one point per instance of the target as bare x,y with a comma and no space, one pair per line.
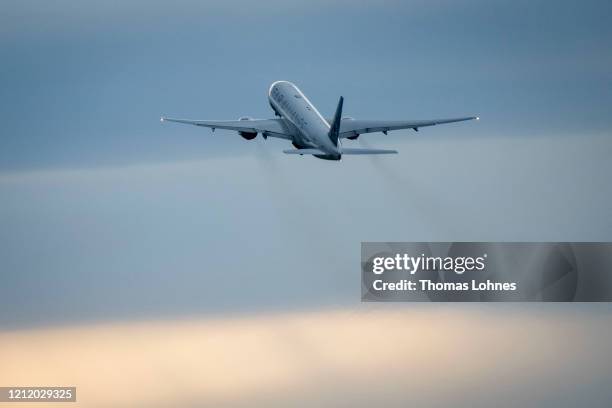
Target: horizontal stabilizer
343,151
368,151
303,151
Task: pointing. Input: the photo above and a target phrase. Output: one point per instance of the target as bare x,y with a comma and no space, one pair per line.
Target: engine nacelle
350,118
247,135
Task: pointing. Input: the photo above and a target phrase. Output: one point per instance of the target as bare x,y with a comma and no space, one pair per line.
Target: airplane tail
334,130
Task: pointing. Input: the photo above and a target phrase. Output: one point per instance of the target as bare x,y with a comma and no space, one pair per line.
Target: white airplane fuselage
311,129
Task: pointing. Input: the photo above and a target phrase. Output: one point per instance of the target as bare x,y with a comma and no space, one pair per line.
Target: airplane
298,121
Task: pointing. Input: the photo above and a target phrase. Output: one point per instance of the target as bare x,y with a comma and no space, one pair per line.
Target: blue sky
84,83
125,217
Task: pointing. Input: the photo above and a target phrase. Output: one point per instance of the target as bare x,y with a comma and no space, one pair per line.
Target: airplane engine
350,118
247,135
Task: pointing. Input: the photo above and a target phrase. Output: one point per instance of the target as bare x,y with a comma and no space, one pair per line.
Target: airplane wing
267,127
355,127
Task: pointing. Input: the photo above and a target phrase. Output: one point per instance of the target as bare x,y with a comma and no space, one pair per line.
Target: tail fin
334,130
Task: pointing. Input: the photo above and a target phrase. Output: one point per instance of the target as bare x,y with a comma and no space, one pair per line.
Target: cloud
264,231
66,14
425,356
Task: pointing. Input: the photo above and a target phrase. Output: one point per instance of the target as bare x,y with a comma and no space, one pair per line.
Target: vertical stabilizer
334,130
